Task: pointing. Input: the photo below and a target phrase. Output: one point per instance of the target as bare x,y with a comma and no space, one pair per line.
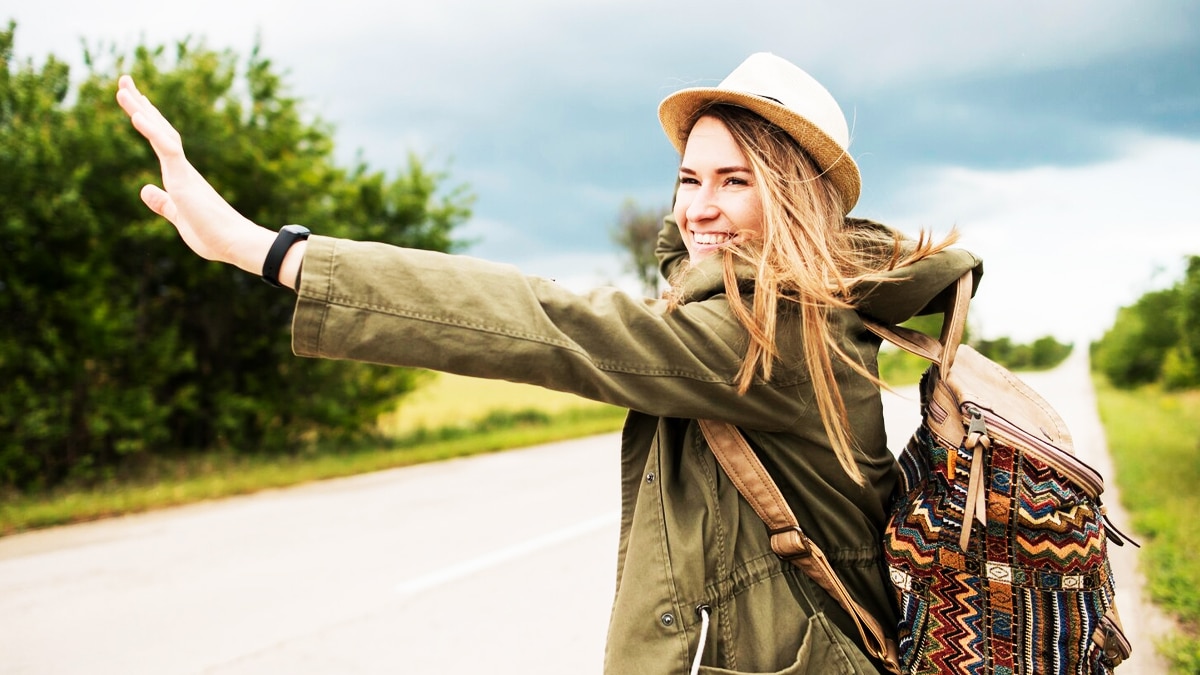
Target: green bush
1156,339
117,342
1041,354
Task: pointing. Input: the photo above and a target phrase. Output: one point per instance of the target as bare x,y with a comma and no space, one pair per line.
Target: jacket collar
706,278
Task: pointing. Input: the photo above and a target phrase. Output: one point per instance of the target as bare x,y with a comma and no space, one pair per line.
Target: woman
760,329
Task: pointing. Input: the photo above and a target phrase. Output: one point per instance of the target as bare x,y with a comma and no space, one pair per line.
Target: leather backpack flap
977,380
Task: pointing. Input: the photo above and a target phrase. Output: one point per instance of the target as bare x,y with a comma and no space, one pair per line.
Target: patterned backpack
1025,588
997,541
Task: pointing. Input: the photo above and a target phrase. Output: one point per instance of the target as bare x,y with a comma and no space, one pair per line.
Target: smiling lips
711,238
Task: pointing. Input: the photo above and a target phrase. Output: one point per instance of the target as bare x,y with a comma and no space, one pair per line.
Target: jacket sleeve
384,304
921,288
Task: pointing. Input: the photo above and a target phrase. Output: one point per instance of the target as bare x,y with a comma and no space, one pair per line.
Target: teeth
711,238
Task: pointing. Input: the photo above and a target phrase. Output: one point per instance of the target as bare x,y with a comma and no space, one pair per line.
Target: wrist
282,262
289,271
248,253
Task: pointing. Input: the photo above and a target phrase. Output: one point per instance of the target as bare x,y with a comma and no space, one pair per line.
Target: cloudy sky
1062,139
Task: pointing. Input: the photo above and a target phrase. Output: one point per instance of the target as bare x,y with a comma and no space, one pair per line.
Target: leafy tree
1189,304
1046,352
1179,369
1134,350
1181,365
1041,354
999,350
1157,339
117,343
636,232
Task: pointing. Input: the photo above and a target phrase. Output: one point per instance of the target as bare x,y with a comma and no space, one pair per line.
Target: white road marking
469,567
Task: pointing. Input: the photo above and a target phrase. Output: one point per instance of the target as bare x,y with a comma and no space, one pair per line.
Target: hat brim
679,109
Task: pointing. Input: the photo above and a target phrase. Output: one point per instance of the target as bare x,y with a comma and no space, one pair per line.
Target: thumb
159,201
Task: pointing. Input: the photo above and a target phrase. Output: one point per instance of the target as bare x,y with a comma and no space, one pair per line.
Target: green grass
451,400
449,417
1154,439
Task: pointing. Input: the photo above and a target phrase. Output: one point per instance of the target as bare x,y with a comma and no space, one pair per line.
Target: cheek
752,214
680,205
680,212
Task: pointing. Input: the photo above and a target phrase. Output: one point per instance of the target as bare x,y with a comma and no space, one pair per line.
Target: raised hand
205,221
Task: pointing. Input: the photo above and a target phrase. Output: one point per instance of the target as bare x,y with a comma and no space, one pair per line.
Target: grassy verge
448,401
1154,439
452,417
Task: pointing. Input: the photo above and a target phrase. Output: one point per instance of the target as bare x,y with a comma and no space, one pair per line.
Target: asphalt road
503,563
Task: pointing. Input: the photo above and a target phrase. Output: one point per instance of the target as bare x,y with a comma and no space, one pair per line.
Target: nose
703,206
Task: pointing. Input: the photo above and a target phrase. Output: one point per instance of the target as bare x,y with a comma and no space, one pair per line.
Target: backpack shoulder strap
788,541
954,322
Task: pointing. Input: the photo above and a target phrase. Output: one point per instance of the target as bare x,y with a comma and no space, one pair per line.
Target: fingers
148,121
204,220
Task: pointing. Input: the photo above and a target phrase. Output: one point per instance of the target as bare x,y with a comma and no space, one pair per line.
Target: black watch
288,235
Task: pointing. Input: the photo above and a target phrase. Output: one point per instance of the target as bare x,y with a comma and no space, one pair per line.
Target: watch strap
288,235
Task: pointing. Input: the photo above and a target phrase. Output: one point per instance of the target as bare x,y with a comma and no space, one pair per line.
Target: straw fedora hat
785,96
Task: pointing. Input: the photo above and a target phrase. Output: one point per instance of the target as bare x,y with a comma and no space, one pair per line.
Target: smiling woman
767,198
761,330
717,202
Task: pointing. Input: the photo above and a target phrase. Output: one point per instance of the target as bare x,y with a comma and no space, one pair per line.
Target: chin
698,254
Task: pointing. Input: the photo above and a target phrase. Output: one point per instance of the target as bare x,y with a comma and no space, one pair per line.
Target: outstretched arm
205,221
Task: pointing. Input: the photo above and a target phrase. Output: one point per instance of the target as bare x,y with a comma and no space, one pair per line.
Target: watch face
296,229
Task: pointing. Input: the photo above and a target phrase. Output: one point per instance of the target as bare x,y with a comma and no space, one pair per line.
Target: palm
205,221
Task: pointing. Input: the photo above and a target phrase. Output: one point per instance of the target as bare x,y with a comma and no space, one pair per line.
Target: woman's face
717,202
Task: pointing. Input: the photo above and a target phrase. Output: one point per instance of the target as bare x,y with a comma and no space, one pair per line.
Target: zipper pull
975,508
975,422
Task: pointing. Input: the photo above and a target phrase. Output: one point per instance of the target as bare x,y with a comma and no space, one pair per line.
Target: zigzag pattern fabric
1032,586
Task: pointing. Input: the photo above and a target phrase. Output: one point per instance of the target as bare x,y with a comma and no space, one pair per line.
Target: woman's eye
688,180
733,180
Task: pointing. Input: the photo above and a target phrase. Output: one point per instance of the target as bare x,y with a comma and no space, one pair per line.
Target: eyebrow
721,171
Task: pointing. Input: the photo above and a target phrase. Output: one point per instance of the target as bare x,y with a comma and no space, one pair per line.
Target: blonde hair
809,255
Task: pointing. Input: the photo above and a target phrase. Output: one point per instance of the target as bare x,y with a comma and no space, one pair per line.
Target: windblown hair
808,255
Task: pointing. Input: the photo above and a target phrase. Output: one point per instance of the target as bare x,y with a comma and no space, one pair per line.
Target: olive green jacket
687,538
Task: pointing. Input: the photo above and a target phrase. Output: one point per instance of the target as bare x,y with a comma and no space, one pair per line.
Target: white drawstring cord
702,610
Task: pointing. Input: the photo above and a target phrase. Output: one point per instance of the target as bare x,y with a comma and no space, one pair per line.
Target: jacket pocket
823,650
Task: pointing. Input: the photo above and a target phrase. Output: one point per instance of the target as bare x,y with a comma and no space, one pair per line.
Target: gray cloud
547,109
1056,116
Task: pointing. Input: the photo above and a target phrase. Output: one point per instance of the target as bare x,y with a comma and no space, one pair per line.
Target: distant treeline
898,367
1156,339
115,342
1041,354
